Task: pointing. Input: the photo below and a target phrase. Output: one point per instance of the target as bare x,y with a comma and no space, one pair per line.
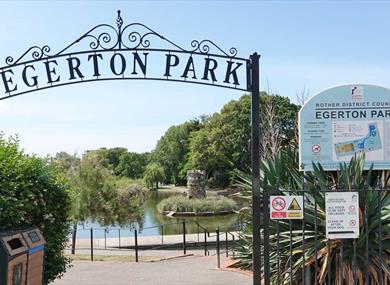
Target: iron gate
298,251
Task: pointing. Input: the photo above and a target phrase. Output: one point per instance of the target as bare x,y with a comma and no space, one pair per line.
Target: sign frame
343,121
344,211
281,207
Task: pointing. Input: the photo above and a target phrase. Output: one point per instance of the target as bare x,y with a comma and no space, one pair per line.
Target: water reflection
153,218
152,221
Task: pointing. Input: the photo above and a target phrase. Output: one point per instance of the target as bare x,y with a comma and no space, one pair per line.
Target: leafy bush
214,204
128,204
97,194
32,195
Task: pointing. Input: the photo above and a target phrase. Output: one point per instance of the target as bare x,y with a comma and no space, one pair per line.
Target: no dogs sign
286,207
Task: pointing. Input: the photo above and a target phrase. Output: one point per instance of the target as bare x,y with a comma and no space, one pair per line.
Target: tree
96,193
154,174
172,151
90,182
69,169
271,137
113,155
129,203
69,166
109,158
104,200
97,189
207,153
33,194
223,144
132,164
286,116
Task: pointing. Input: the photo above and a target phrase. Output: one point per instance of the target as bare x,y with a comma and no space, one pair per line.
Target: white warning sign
286,207
342,215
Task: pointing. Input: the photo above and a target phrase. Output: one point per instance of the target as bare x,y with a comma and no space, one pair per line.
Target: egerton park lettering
88,66
352,114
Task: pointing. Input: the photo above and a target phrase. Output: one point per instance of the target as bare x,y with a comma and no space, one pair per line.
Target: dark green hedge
32,195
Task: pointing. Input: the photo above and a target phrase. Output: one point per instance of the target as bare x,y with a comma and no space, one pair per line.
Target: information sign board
342,215
344,121
286,207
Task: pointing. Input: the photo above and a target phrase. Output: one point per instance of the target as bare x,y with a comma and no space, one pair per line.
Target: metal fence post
184,238
119,233
205,243
136,245
162,234
233,247
227,244
91,244
74,233
198,231
105,238
218,249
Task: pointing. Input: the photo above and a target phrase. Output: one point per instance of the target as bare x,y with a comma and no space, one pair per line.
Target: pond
153,220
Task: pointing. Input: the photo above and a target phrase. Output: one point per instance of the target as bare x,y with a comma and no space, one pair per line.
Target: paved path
193,270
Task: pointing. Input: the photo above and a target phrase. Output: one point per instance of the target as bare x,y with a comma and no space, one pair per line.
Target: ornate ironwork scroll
123,52
132,36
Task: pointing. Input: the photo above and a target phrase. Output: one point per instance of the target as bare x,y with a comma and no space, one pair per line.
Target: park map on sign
368,143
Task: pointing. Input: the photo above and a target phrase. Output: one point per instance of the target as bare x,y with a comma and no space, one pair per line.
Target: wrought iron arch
136,38
105,39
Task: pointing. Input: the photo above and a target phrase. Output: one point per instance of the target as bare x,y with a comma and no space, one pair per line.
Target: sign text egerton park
109,64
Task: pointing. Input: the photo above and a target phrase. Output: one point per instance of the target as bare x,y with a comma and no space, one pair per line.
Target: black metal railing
136,243
300,252
229,244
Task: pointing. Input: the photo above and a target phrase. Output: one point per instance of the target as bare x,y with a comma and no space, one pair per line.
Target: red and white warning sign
342,215
286,207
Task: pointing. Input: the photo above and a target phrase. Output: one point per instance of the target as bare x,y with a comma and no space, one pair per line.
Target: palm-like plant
295,253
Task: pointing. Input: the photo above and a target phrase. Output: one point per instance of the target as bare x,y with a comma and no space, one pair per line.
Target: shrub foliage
214,204
32,195
282,175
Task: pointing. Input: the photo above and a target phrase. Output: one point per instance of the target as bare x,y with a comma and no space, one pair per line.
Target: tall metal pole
136,245
91,238
218,248
255,144
184,238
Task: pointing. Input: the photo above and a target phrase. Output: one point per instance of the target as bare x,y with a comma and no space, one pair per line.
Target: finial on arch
119,20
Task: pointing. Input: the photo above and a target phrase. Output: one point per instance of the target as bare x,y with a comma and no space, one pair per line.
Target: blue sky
312,44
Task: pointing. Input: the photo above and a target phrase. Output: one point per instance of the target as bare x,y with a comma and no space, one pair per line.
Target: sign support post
255,139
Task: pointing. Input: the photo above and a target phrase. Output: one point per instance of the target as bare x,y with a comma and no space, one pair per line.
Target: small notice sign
342,215
286,207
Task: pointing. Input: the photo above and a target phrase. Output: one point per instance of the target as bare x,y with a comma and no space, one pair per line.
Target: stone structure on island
196,184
